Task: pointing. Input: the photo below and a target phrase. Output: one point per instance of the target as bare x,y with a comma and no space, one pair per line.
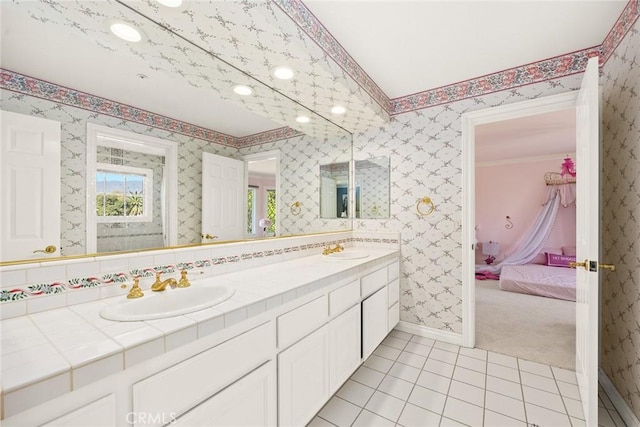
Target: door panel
30,187
223,198
587,240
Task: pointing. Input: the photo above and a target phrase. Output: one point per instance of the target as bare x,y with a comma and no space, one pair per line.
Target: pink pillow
557,260
569,250
541,258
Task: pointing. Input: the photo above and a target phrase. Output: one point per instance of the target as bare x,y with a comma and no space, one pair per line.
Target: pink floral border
31,86
548,69
307,21
552,68
627,18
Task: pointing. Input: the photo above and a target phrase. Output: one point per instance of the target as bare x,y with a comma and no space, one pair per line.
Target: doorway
263,182
469,123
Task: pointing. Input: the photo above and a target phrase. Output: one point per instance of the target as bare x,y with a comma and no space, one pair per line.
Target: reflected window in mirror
263,170
334,190
372,188
132,181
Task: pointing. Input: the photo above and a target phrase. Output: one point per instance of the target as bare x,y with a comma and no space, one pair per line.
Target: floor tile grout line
449,390
406,401
362,409
524,403
486,378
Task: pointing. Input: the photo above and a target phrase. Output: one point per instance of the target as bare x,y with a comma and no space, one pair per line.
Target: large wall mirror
372,188
174,91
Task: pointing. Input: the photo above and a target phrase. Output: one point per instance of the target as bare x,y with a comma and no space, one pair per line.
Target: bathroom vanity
272,357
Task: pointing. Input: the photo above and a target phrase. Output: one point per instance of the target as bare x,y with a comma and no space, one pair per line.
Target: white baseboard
424,331
621,405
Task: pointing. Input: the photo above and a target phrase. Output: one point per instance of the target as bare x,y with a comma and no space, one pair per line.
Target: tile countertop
77,340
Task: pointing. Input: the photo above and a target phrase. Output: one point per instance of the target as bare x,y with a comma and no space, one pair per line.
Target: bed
542,280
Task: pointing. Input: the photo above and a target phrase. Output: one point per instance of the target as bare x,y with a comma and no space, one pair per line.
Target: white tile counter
53,352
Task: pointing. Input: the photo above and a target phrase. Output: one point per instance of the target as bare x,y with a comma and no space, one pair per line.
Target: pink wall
517,190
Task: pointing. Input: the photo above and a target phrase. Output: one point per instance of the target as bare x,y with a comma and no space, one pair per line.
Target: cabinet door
102,412
250,401
374,321
303,379
344,347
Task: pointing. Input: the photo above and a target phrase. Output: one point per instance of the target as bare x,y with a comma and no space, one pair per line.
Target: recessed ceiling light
125,32
338,109
302,119
170,3
283,73
242,90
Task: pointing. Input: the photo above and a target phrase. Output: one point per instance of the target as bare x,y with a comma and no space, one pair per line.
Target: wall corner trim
424,331
621,405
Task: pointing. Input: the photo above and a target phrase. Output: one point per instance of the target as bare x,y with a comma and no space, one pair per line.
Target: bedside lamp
491,249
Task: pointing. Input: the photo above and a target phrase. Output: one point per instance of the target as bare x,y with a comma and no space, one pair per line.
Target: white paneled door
30,187
587,240
223,198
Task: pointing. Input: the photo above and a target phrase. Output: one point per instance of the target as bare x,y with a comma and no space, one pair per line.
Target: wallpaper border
20,83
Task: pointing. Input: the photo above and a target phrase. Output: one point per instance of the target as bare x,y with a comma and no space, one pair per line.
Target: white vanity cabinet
251,401
201,377
278,368
393,294
100,413
303,379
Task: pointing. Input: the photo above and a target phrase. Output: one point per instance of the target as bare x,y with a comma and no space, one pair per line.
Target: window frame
147,185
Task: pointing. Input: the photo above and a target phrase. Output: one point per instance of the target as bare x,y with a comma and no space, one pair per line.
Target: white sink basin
347,255
171,302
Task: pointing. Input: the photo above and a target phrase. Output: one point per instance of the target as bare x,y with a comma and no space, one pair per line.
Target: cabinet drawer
373,281
343,298
299,322
204,374
394,270
393,290
394,315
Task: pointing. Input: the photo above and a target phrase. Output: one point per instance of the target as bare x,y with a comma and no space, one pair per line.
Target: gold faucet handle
158,281
184,282
135,291
339,248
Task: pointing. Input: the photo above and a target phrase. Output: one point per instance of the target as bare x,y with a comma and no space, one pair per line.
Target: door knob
208,236
584,264
48,250
607,266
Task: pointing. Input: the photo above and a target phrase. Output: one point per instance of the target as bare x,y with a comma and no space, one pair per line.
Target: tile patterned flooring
415,381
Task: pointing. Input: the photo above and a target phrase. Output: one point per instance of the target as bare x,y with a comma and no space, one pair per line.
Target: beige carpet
525,326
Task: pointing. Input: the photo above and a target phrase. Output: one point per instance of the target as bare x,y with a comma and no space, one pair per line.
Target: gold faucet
159,286
135,291
184,282
329,250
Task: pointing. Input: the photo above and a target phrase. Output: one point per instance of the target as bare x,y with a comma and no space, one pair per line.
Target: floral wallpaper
620,224
426,160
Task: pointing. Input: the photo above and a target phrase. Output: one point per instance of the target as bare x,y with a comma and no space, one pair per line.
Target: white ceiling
539,136
405,46
409,46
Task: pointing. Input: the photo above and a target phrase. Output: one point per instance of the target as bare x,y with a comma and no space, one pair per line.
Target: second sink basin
171,302
347,255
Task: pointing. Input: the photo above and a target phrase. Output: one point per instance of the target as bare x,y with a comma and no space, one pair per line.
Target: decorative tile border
624,23
536,72
80,283
31,86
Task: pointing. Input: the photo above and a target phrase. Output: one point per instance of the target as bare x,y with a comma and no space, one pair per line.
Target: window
251,209
271,209
123,193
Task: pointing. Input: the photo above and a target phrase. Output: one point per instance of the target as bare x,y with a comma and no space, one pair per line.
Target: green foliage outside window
271,210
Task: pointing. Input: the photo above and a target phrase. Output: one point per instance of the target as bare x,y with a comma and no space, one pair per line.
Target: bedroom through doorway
525,311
